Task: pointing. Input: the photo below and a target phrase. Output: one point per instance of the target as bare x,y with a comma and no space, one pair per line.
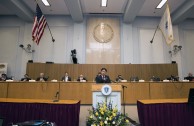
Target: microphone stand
57,96
123,87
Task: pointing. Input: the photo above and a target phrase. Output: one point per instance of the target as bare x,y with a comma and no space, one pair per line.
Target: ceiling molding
132,9
75,10
19,8
183,12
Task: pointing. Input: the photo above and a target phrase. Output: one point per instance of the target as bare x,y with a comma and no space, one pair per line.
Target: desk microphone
123,86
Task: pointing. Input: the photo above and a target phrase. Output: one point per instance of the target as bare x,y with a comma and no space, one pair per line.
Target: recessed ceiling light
46,3
104,3
161,4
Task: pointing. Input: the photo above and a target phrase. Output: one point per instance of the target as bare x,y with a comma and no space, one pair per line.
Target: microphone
123,86
113,81
56,97
47,78
57,93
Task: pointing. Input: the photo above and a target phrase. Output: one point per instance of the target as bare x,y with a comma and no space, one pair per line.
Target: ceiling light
46,3
104,3
161,4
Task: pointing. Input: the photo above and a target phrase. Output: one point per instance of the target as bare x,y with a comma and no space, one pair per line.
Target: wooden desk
63,113
165,112
82,91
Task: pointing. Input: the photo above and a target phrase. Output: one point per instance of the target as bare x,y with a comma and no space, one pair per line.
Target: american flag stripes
38,26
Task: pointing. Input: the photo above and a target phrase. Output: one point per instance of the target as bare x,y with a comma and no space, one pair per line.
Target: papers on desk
9,80
141,80
185,80
165,80
54,80
32,80
123,80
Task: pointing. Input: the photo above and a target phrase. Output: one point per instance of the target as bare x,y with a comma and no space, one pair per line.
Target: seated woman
81,78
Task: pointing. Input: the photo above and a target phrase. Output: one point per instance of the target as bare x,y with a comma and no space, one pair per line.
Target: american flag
39,25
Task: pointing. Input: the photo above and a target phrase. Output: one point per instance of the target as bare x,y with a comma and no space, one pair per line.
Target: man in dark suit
26,78
190,77
81,78
66,78
42,78
4,77
103,78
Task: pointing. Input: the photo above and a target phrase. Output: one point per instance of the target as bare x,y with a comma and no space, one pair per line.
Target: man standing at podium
103,78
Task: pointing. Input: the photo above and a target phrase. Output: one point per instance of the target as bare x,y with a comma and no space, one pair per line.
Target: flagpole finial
53,40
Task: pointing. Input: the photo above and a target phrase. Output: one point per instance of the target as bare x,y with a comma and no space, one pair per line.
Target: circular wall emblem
106,89
103,33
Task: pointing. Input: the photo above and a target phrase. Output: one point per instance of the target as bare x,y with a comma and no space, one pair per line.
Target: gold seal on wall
103,33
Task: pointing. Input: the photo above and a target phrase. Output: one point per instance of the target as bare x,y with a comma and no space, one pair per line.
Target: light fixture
46,3
175,50
104,3
161,4
28,48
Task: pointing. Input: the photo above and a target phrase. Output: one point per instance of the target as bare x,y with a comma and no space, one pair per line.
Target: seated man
66,78
173,78
189,77
81,78
103,78
25,78
42,78
97,76
133,78
153,78
4,77
119,78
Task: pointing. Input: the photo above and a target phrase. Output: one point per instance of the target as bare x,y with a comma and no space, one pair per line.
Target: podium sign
107,93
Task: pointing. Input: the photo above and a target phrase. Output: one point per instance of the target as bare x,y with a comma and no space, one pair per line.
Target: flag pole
53,40
154,34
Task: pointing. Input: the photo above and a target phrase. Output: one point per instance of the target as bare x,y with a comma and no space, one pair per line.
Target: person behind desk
97,76
134,78
4,77
190,77
42,77
119,78
103,78
66,78
81,78
173,78
25,78
154,78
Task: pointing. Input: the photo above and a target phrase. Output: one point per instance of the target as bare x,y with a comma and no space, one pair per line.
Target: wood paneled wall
143,71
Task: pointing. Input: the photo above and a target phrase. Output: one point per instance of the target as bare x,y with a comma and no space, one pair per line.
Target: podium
113,96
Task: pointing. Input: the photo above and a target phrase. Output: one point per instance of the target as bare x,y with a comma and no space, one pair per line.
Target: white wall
186,36
135,43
